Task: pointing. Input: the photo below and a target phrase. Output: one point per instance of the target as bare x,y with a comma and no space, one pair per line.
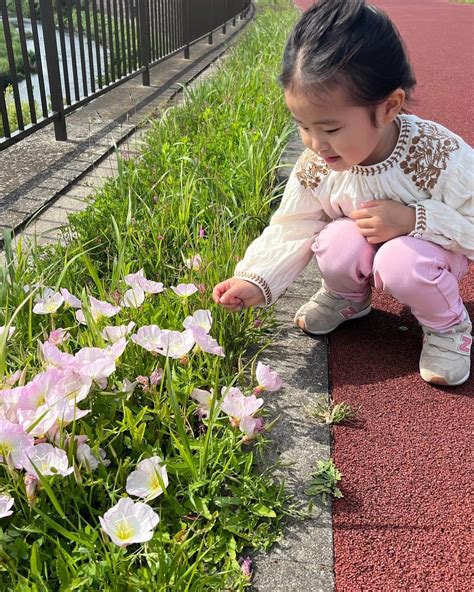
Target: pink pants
420,274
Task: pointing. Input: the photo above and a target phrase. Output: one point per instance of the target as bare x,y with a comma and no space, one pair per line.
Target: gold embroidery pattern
428,155
311,170
376,169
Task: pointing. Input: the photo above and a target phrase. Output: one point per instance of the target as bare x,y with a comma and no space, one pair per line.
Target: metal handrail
84,48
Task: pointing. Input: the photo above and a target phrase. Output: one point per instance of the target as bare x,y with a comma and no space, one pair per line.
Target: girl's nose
318,145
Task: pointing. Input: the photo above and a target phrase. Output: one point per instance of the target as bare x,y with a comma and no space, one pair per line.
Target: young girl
380,197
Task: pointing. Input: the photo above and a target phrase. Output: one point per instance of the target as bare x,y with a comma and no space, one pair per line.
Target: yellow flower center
124,531
5,449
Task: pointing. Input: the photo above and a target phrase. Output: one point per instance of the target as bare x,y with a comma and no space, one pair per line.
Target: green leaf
262,510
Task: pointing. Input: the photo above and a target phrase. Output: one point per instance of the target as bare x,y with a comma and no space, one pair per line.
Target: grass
203,184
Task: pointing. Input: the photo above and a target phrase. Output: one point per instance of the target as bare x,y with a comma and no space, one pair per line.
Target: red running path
404,523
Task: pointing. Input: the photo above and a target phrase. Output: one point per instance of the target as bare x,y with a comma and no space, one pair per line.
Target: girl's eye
333,131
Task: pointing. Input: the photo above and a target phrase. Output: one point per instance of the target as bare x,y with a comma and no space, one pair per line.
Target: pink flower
251,426
138,280
113,334
15,377
49,302
13,442
31,485
201,318
58,336
194,262
202,232
70,299
53,357
268,379
148,337
206,343
45,459
156,376
95,363
246,567
184,290
98,309
237,405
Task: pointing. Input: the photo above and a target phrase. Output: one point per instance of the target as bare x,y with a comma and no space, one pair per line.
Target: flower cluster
240,408
35,414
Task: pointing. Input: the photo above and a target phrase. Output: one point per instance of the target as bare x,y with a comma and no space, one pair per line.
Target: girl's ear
392,106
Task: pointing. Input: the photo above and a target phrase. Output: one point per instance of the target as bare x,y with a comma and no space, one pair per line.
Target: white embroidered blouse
430,169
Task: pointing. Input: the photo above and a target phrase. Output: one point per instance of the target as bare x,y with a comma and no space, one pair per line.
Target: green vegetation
324,481
202,185
326,413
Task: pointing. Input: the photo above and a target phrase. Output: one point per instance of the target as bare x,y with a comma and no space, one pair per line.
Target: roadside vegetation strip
131,449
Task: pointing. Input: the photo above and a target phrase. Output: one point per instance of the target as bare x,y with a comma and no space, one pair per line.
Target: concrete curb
303,559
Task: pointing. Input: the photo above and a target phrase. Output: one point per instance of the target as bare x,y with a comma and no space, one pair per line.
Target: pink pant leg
345,259
425,277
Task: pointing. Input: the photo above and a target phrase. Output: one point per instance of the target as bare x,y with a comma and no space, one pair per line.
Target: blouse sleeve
447,217
276,258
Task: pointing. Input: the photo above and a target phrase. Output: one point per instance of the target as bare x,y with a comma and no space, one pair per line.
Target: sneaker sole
441,381
358,315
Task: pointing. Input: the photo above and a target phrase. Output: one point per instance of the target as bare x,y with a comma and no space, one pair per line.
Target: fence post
52,63
211,12
224,26
187,28
144,32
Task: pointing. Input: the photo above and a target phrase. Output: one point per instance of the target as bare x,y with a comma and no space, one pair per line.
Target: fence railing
72,51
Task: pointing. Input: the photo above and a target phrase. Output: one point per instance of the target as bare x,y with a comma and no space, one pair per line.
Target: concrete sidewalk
303,559
39,169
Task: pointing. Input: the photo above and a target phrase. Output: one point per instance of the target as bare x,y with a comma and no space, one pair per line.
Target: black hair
351,43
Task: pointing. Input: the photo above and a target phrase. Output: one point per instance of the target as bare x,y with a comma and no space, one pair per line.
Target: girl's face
341,133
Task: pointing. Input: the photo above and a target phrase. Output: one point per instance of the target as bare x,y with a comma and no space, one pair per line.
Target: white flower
6,502
148,337
86,457
184,290
129,522
204,398
113,334
145,481
174,344
49,303
194,262
133,298
47,460
201,318
11,330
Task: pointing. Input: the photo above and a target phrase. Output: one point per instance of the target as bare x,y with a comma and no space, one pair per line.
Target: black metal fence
74,50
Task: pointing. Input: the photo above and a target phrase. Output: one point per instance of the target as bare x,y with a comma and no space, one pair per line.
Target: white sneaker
325,311
446,355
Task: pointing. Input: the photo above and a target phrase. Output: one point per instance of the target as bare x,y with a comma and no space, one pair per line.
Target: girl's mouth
331,159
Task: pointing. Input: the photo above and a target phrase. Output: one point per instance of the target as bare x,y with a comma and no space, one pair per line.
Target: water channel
70,64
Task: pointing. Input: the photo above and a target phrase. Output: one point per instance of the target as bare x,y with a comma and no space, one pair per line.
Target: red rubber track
404,522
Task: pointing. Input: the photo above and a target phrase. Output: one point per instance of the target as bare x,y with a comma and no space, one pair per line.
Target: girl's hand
383,219
235,294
